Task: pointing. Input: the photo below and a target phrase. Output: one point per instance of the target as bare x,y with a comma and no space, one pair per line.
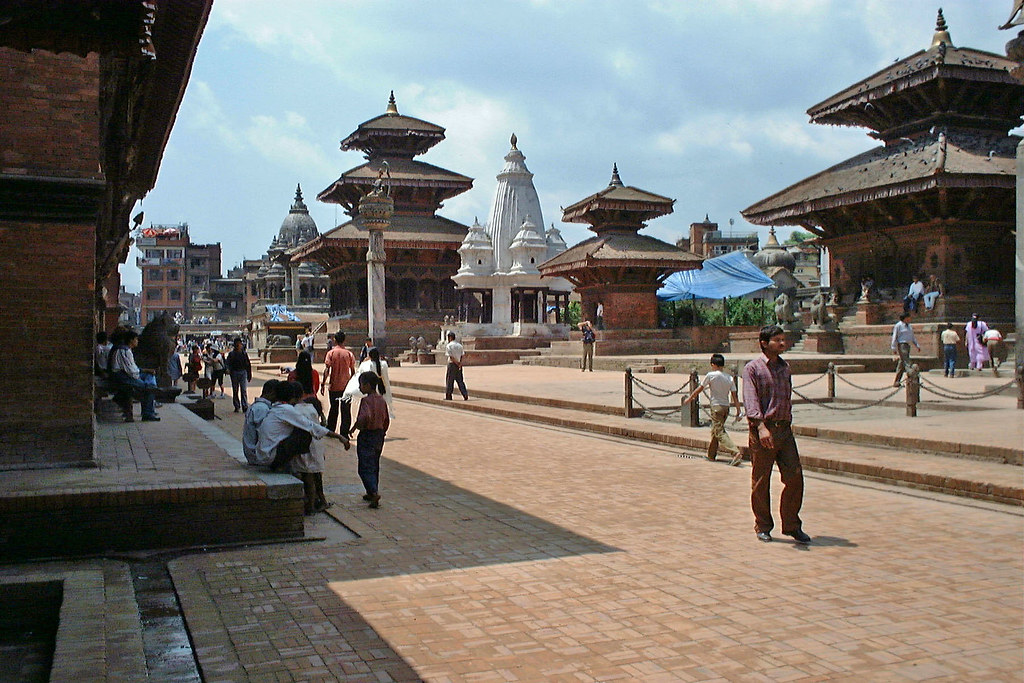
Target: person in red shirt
372,423
339,366
768,400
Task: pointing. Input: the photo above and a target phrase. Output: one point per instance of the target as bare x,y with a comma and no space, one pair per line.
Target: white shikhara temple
500,286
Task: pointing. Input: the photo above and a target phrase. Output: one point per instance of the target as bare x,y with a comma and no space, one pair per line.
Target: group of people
984,345
114,362
920,294
284,426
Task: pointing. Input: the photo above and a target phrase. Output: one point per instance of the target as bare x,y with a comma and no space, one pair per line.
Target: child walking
722,391
372,423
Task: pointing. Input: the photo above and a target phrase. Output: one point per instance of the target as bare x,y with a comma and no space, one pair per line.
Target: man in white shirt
285,432
914,295
997,351
723,394
254,417
902,338
125,374
453,375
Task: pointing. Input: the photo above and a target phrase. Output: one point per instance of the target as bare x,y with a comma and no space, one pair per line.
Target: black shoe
800,537
150,418
764,536
367,496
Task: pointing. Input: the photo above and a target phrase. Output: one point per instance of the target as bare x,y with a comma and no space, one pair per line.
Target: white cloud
205,112
288,142
742,134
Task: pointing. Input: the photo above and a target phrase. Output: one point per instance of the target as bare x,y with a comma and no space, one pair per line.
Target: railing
915,384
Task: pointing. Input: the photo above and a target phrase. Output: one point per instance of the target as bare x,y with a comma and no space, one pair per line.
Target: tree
798,237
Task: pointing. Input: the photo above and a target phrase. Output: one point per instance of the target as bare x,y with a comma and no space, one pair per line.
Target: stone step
921,470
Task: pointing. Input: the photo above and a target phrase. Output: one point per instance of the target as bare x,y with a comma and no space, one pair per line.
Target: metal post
695,403
629,392
913,390
831,381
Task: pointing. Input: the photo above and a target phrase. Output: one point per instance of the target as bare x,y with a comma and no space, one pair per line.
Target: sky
703,101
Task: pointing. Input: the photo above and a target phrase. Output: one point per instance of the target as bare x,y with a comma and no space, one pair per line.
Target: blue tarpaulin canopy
730,275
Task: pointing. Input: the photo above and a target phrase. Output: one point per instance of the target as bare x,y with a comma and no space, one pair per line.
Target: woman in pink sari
976,348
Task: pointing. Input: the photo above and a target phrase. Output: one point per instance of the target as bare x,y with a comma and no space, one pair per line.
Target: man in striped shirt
768,400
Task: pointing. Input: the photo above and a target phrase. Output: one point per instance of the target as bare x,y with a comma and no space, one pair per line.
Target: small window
153,295
174,294
532,260
174,274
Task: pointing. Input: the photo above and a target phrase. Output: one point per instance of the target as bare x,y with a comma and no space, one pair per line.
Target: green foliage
798,236
572,314
740,312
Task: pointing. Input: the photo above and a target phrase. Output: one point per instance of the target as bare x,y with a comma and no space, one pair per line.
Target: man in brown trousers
768,400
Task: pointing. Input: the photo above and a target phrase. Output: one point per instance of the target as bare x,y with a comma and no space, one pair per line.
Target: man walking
902,338
240,371
339,366
723,394
453,375
768,400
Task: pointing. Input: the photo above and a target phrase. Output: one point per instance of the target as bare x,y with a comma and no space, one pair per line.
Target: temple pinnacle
392,107
514,140
616,180
298,192
941,32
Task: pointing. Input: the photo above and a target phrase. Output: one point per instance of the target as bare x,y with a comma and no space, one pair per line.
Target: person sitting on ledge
126,376
286,433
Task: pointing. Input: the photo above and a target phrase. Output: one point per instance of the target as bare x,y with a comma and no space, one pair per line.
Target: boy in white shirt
723,393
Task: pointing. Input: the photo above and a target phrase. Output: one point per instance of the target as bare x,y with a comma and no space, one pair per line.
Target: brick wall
47,337
50,121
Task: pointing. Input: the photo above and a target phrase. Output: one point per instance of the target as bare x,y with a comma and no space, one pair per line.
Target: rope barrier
961,397
658,391
957,395
857,386
895,390
806,384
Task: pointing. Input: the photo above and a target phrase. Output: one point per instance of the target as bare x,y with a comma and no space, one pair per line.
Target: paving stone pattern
510,552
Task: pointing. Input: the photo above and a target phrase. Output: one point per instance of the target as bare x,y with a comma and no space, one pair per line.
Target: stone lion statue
819,313
783,309
279,340
156,344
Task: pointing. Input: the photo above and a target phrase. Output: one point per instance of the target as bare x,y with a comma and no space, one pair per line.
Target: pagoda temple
501,288
619,267
937,198
421,247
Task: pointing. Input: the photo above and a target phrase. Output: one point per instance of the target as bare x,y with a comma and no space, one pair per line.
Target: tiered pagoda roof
416,187
943,114
618,253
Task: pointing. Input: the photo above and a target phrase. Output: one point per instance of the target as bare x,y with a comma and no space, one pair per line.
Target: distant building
708,241
275,278
162,262
129,303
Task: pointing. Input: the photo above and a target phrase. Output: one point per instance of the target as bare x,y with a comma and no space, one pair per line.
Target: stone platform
173,483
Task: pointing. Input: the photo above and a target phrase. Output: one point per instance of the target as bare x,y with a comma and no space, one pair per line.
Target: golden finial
514,140
616,180
392,107
941,32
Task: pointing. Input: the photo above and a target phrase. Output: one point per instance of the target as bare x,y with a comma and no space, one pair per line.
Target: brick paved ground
511,552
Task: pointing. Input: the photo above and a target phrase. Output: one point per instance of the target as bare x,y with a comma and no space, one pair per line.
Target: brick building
90,93
707,240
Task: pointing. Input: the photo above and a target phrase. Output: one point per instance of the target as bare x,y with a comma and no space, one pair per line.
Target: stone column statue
376,210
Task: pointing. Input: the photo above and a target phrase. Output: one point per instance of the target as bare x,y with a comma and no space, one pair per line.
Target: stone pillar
1019,292
293,282
376,315
375,210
